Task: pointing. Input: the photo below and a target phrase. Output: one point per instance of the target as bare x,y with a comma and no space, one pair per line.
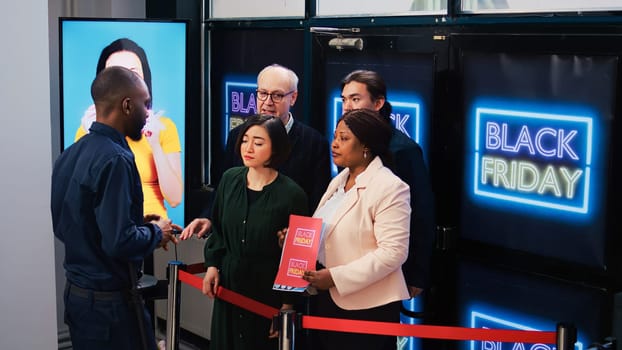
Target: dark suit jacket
308,163
408,165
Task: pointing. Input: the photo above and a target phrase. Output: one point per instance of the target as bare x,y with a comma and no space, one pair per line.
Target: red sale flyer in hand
299,253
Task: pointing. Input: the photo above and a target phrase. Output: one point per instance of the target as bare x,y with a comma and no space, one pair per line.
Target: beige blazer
366,241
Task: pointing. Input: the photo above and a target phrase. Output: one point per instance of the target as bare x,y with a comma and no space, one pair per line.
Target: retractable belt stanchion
174,298
287,329
566,336
287,320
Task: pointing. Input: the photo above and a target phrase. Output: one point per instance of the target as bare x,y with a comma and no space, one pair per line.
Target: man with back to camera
97,212
308,163
367,89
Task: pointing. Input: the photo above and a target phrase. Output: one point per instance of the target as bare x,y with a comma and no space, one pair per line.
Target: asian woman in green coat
242,253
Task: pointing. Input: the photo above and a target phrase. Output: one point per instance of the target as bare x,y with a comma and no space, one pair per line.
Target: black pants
104,321
322,305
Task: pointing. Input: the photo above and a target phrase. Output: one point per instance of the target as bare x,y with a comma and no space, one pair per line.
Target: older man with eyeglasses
309,162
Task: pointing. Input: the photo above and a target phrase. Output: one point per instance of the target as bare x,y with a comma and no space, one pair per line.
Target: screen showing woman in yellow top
158,152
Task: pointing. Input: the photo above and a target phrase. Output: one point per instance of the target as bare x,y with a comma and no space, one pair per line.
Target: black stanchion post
287,329
174,298
566,336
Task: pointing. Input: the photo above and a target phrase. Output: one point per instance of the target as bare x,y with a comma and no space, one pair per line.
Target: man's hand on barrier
211,282
198,226
320,279
168,235
168,231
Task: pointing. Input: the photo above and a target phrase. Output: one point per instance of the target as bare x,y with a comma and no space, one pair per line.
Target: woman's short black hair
371,130
125,44
276,133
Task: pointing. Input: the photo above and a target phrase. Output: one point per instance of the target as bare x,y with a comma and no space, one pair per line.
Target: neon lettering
402,342
400,122
518,346
488,345
528,177
237,103
497,138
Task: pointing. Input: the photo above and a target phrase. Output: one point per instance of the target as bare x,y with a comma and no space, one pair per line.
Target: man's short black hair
111,85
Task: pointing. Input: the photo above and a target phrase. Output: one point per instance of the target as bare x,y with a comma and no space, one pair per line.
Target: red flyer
299,253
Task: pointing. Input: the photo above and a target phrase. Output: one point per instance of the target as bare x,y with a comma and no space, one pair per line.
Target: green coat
244,246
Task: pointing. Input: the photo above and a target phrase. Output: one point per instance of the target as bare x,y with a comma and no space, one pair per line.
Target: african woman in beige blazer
366,214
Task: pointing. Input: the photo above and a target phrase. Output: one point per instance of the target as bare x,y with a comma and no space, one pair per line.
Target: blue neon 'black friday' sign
531,158
239,102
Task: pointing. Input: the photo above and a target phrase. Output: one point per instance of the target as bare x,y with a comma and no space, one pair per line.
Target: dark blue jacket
97,211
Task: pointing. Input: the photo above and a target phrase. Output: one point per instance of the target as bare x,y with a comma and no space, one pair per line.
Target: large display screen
537,138
496,298
410,86
156,50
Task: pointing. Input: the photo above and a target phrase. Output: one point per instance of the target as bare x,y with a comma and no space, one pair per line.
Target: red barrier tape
425,331
246,303
192,280
232,297
382,328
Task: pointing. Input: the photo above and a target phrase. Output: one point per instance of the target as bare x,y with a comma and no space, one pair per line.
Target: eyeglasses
275,96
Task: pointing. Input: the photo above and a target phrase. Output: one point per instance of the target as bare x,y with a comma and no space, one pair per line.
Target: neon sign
406,117
240,102
536,159
489,321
